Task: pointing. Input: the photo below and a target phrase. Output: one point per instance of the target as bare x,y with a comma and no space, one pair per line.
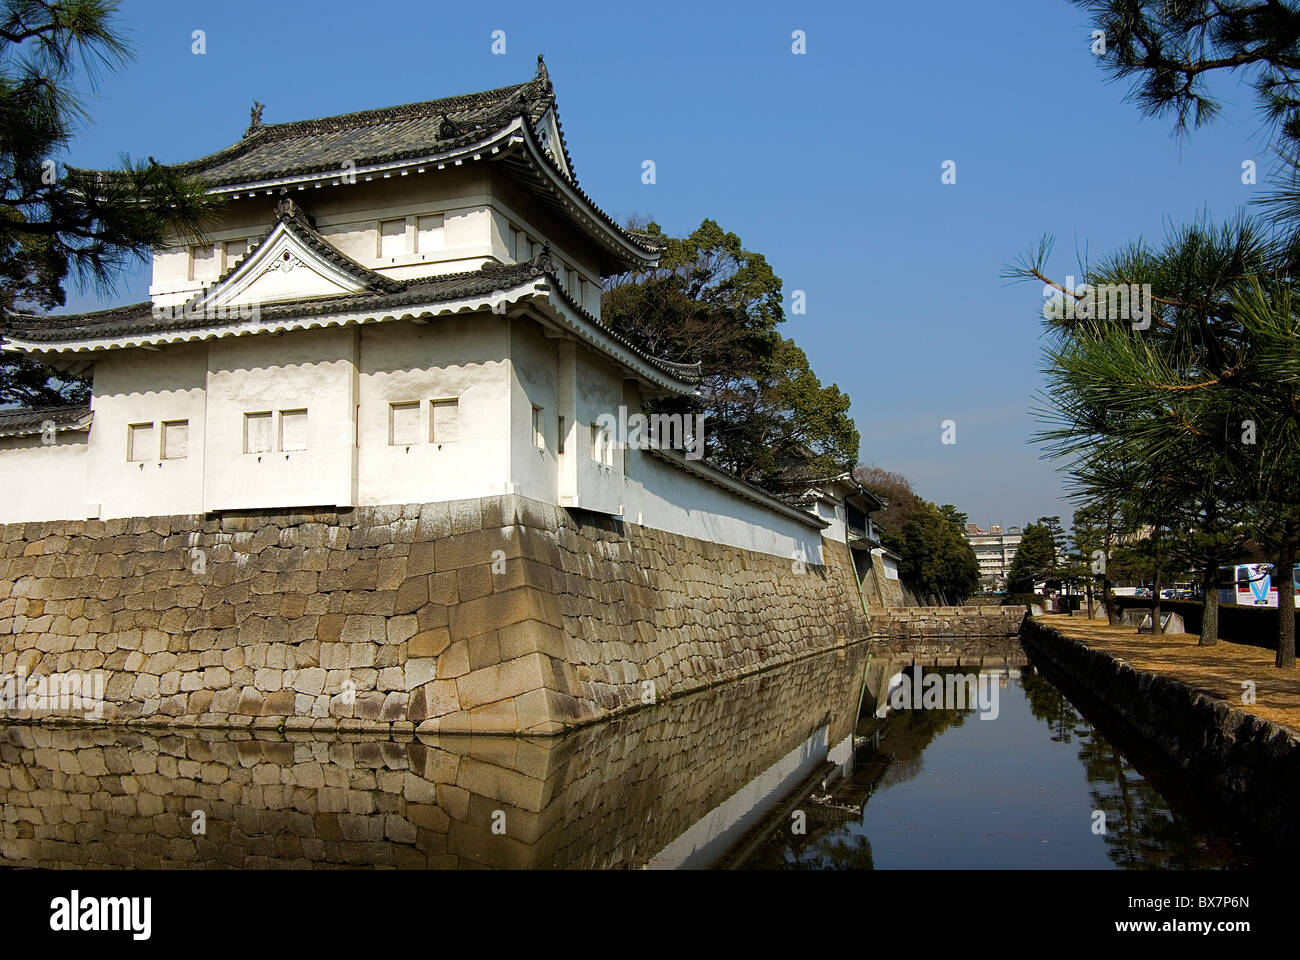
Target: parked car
1141,592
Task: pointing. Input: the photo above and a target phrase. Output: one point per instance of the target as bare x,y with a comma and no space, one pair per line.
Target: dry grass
1218,671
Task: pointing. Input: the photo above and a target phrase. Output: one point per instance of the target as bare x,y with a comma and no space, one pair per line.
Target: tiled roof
328,147
268,151
26,421
140,318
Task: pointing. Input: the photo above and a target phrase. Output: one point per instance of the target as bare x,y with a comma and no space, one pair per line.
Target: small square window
539,433
444,422
233,250
602,445
175,439
404,424
429,235
293,430
203,263
141,443
257,432
392,238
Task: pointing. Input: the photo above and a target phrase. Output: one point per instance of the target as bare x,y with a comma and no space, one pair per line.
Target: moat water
815,765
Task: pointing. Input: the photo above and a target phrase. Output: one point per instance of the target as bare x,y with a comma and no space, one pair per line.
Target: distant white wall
833,513
666,497
42,481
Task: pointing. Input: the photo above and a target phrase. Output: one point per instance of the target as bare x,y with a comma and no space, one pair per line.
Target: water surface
715,779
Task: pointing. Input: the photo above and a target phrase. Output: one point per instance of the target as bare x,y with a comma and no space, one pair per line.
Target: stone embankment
499,614
1250,765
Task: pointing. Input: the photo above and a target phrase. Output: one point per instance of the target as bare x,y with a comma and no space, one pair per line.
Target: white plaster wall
145,386
534,370
666,497
478,206
40,481
312,369
598,391
834,513
462,358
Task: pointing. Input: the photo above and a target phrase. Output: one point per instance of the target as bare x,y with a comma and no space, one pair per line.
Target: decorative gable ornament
292,262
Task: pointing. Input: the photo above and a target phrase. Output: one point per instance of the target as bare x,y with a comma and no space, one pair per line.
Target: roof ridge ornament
542,73
542,260
448,128
255,119
286,209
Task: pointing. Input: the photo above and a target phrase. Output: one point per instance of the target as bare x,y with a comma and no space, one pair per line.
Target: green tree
1034,560
955,517
1169,50
935,559
56,222
1148,415
712,301
1266,397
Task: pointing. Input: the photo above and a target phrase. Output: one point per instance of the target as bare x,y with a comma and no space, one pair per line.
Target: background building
993,550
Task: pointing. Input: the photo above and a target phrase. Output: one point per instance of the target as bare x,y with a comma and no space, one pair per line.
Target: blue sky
828,163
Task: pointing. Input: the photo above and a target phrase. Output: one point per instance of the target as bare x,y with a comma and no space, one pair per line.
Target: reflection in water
713,779
940,788
669,785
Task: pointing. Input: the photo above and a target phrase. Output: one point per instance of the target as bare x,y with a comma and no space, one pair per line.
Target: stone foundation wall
494,615
934,623
880,591
1246,762
606,796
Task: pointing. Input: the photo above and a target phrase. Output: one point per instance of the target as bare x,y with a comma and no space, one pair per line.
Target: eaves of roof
143,322
61,418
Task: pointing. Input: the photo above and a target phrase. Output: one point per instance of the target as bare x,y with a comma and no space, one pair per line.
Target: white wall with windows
149,406
400,412
434,405
280,420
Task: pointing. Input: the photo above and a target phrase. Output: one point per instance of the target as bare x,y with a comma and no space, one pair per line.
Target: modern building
994,549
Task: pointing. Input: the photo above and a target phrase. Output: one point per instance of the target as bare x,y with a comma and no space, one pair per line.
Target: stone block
411,595
419,671
429,643
503,680
401,628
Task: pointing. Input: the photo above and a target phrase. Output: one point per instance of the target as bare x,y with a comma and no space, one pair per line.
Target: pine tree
59,223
